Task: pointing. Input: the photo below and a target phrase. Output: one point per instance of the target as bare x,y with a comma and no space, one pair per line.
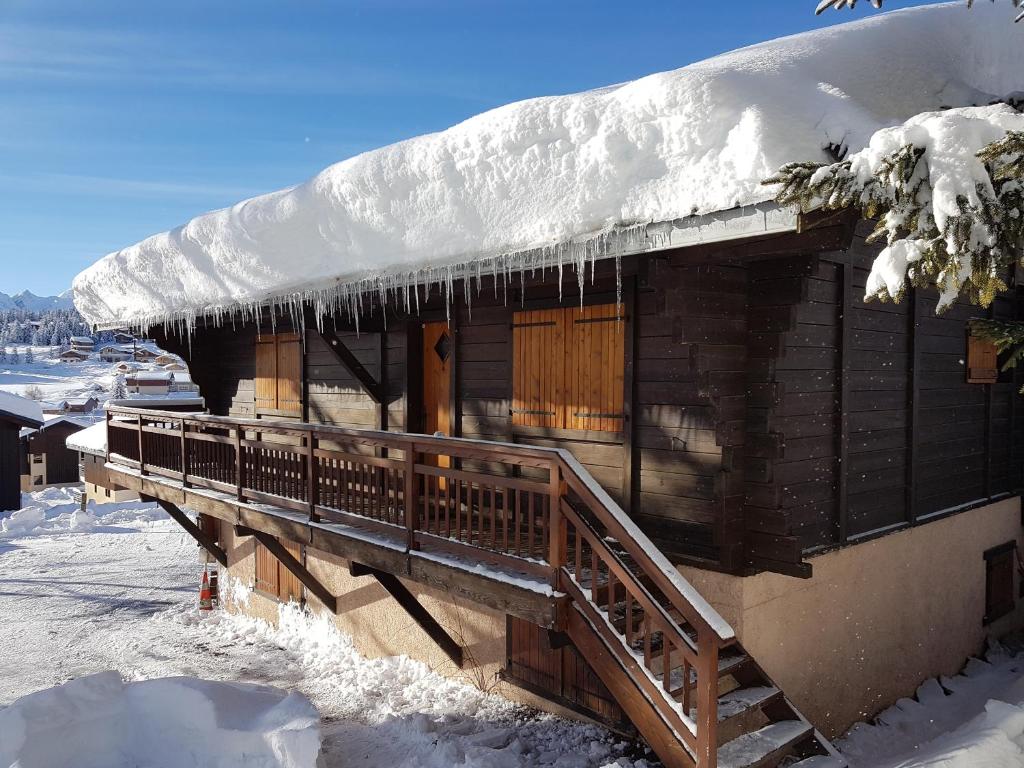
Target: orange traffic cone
205,601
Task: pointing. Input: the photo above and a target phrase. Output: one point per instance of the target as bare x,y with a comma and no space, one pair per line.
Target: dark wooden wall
10,467
772,412
867,423
61,461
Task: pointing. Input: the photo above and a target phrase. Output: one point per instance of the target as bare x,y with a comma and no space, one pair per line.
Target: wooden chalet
16,413
734,413
46,459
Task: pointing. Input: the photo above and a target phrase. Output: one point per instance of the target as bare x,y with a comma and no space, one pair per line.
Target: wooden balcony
519,529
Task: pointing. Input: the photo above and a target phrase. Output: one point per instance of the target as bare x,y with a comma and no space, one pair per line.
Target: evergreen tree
824,5
119,391
29,356
14,358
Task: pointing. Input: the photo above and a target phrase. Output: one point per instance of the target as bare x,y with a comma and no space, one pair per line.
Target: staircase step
763,747
742,700
820,761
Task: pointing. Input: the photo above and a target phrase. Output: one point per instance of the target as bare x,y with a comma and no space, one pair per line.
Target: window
274,579
982,367
569,368
999,565
279,374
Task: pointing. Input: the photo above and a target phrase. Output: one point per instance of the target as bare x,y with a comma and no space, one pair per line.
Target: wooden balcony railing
528,509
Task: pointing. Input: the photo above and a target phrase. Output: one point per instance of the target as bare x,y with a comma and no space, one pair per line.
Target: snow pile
57,510
973,720
544,182
396,711
21,407
100,721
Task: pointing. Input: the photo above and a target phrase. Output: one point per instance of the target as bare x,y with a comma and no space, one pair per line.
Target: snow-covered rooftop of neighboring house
92,440
558,178
53,420
22,410
81,340
162,376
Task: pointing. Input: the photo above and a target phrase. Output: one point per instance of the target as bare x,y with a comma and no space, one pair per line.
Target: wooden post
238,464
311,485
108,437
184,458
142,463
707,700
410,494
557,531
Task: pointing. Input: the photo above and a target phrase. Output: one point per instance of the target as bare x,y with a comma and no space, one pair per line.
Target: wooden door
437,388
437,378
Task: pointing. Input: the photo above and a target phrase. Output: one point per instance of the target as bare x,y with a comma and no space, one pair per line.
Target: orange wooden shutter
266,373
289,373
538,385
267,577
982,367
289,587
596,368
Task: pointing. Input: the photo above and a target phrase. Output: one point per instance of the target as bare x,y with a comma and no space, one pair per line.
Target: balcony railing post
707,700
184,458
142,459
557,528
411,523
108,417
239,479
311,478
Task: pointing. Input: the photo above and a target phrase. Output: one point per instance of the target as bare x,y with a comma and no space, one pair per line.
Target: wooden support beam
298,570
394,587
352,365
193,530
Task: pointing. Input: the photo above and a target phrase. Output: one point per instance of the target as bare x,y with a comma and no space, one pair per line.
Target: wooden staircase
534,514
672,663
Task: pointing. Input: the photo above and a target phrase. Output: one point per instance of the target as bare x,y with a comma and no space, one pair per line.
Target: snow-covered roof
550,179
82,340
20,410
92,440
161,376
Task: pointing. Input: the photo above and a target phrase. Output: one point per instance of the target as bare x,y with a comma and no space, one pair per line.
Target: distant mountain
31,303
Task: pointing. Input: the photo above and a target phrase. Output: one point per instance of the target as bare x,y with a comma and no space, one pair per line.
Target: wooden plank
285,554
351,363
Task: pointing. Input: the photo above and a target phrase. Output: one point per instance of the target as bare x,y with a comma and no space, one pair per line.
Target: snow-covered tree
824,5
29,356
119,390
946,190
14,358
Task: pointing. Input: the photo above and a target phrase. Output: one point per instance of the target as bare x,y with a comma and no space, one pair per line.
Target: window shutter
982,367
538,388
266,571
266,373
597,368
999,566
289,373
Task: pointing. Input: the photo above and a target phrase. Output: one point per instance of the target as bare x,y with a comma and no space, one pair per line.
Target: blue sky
124,118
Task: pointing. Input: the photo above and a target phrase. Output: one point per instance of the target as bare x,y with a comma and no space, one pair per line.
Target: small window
999,567
982,367
278,381
569,368
273,579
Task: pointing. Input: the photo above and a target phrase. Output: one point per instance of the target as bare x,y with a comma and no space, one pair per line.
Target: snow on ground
99,721
554,173
119,593
57,380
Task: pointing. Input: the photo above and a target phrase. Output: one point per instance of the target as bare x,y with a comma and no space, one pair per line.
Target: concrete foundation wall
876,619
380,627
103,495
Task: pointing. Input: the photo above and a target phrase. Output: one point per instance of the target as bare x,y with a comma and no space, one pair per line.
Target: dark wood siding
10,467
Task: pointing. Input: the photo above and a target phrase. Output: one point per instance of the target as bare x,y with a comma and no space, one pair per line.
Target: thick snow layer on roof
91,440
533,180
21,408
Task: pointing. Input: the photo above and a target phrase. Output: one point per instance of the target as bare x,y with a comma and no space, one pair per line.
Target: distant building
83,344
149,382
80,405
173,367
74,356
126,367
144,355
167,359
16,413
114,354
90,446
45,459
123,337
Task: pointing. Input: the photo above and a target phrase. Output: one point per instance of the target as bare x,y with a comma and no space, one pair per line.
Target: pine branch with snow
824,5
945,192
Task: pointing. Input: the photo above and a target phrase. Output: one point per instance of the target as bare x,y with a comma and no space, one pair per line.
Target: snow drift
540,182
177,722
